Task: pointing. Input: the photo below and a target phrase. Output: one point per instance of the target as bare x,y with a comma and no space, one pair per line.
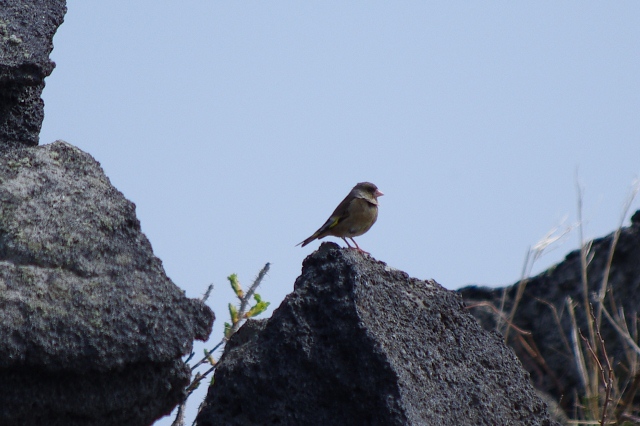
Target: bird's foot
358,249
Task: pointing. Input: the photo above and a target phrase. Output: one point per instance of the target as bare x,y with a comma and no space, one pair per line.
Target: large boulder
360,343
92,331
26,40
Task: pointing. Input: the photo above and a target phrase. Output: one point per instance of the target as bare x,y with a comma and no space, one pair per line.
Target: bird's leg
345,240
358,247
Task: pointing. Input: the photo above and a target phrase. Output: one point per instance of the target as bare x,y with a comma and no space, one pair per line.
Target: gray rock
26,33
359,343
554,370
92,331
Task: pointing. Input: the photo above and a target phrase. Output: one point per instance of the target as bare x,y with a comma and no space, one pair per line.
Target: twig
621,332
207,293
500,315
606,375
529,344
195,382
179,420
245,300
557,319
522,284
207,354
600,369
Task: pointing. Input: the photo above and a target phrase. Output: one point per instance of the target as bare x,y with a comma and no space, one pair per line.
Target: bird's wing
330,223
339,214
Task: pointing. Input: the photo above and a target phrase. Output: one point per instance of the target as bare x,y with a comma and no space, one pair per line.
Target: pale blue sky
237,127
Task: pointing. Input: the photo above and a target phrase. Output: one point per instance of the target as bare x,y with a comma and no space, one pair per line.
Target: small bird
354,216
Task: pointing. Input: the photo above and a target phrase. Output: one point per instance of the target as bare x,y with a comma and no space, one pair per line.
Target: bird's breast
362,217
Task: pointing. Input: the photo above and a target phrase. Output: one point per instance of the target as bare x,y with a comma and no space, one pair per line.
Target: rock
26,33
543,311
360,343
92,331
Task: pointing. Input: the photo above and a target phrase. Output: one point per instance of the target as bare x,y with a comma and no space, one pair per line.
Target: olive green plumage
354,216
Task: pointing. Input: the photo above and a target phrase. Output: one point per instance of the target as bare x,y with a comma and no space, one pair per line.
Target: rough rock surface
91,329
555,371
26,33
359,343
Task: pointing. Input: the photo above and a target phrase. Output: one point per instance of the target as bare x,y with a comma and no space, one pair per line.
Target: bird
354,216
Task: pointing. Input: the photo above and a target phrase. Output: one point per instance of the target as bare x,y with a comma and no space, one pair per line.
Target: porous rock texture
26,40
360,343
91,329
548,353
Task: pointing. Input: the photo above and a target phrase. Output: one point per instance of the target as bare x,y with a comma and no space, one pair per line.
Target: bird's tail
308,240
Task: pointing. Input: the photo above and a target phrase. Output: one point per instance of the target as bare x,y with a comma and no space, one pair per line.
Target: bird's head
368,191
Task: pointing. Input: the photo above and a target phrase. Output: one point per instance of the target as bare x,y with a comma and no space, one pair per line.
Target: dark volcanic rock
554,371
91,329
26,33
359,343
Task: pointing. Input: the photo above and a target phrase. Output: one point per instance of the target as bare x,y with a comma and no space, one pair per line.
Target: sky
237,127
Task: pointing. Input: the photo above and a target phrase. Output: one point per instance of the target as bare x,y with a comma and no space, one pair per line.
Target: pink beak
378,193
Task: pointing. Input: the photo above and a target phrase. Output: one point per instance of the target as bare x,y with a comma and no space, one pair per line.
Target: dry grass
608,394
608,398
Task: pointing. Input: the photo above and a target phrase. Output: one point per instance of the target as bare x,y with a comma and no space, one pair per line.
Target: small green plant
240,313
237,314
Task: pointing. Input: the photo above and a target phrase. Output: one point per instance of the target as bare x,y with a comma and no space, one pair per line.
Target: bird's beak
378,193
